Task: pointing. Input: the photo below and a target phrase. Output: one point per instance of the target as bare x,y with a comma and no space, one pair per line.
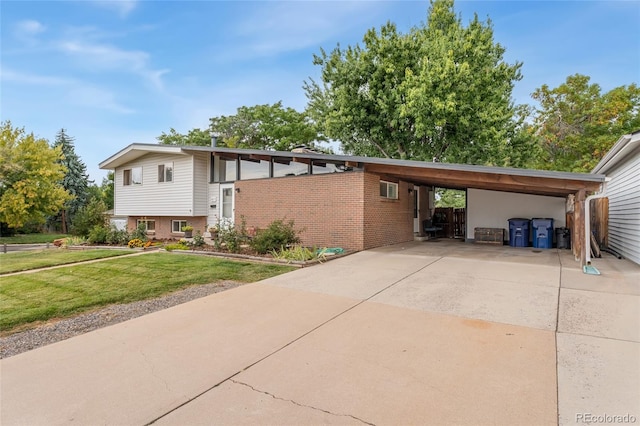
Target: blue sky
117,72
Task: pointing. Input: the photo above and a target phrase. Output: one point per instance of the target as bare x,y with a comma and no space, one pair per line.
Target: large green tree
576,124
442,91
75,181
271,127
30,178
195,137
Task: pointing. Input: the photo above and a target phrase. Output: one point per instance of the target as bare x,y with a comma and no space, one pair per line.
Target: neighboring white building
622,166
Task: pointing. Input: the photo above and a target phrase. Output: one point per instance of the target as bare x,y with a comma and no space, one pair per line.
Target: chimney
214,140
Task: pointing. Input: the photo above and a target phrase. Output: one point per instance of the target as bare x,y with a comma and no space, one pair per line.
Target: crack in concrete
299,404
153,370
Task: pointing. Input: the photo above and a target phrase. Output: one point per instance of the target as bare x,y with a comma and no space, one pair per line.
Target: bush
299,254
226,235
98,234
140,232
118,236
89,217
276,236
176,246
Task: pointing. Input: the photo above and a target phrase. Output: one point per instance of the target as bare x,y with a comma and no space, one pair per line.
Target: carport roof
457,176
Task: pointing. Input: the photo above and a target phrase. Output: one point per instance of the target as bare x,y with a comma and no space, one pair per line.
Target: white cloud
106,57
13,76
29,27
121,7
76,92
281,27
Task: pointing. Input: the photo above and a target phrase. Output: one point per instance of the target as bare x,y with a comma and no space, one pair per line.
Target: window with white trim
132,176
177,225
389,190
165,172
149,225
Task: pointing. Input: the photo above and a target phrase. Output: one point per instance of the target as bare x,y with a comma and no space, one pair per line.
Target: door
227,206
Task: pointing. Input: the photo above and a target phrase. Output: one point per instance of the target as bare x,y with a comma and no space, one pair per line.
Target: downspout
587,220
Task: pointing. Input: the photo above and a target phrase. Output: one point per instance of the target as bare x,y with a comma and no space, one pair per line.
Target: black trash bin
563,238
542,233
519,232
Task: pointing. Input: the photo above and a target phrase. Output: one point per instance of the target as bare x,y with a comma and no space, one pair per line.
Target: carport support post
578,237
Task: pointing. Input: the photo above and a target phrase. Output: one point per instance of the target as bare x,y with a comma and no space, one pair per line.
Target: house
343,201
621,165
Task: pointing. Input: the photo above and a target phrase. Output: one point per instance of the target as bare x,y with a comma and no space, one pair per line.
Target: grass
31,238
57,293
23,261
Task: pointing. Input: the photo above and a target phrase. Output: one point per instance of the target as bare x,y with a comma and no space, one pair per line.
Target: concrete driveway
420,333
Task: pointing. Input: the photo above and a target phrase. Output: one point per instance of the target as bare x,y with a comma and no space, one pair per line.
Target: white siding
493,209
154,198
201,179
624,208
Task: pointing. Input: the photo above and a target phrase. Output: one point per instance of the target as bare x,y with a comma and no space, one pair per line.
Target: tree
30,176
577,125
107,190
89,216
75,181
195,137
441,92
272,127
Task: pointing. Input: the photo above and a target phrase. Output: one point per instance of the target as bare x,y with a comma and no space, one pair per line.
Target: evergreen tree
75,181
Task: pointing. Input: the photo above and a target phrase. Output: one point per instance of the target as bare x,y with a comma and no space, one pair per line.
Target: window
165,172
132,176
389,190
177,225
149,225
224,170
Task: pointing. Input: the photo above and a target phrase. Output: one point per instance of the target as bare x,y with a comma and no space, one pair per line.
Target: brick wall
328,207
386,221
336,210
163,225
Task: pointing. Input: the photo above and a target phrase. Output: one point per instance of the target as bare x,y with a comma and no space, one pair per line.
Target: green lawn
25,260
63,292
31,238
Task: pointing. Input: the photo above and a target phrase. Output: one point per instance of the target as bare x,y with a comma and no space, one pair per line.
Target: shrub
176,246
198,240
140,232
279,234
226,235
89,217
118,236
98,234
299,254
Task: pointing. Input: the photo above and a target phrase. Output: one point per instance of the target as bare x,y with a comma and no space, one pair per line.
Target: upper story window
132,176
389,190
165,172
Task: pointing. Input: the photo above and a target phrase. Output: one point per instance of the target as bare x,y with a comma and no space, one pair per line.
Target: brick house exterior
332,210
351,202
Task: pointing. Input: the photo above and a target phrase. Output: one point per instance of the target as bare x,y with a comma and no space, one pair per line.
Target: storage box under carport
488,235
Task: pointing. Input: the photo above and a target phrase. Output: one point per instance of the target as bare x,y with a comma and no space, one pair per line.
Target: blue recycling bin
519,232
542,233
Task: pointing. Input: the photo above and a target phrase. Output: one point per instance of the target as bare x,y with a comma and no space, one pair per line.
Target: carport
571,187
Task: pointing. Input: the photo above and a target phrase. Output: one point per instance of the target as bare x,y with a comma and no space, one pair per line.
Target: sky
112,73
